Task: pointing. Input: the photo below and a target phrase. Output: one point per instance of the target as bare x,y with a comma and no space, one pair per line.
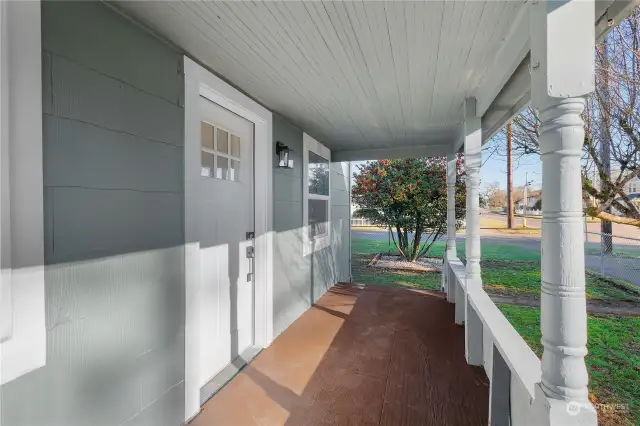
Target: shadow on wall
114,344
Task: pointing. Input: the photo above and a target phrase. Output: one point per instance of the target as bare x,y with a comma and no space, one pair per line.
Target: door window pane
223,141
206,168
318,218
235,146
318,179
222,168
206,135
234,171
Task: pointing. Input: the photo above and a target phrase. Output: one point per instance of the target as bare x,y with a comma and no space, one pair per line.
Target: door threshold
225,375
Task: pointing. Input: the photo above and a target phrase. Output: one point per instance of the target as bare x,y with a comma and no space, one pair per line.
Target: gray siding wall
114,227
299,279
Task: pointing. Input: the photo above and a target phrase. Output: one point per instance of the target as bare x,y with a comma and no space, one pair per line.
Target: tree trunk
416,239
401,244
606,227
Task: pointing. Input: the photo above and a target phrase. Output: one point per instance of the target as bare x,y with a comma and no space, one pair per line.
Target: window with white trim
633,188
317,195
219,153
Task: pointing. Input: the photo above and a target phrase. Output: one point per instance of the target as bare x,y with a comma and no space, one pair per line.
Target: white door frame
23,338
200,82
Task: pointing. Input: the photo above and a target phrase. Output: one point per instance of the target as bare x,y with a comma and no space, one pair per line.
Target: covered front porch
124,117
362,355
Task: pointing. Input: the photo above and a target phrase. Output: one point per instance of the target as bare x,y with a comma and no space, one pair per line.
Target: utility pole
524,200
509,176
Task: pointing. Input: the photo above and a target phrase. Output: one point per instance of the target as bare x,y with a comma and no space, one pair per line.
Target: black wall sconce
283,151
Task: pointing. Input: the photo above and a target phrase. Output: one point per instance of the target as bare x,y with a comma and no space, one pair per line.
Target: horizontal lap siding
301,280
291,290
114,227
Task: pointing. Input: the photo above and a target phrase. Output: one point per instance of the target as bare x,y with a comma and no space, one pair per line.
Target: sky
494,169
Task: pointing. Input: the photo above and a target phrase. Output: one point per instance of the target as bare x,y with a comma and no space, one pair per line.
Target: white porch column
472,161
452,159
451,225
562,62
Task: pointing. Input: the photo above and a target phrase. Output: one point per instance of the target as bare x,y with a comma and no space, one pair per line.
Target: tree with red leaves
408,197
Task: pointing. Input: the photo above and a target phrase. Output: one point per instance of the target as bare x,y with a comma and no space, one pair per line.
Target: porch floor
361,356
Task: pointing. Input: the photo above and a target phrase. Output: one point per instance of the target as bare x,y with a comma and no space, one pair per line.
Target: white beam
430,150
562,43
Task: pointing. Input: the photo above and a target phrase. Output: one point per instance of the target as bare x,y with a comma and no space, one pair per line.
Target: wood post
562,72
472,161
451,204
450,252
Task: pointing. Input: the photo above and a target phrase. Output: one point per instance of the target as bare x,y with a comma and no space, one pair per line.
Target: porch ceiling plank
398,26
472,15
446,51
501,33
491,27
284,57
184,31
364,35
512,50
342,21
346,77
431,29
284,50
305,28
285,29
165,21
242,37
379,44
356,75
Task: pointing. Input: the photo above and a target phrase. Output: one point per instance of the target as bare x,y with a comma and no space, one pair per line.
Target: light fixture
283,151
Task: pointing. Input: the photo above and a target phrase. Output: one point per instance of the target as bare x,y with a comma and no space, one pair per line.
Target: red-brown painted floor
361,356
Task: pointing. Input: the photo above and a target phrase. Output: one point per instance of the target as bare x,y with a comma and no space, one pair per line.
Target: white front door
226,215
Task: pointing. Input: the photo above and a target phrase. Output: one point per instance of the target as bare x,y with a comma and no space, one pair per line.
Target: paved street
492,219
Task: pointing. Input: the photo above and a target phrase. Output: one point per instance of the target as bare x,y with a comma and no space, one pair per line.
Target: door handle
251,254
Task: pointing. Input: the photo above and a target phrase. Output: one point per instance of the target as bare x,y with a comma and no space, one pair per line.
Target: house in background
153,242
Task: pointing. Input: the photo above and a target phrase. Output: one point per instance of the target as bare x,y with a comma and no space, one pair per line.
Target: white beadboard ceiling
354,74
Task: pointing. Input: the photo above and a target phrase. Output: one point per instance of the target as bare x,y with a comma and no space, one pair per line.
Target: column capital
562,35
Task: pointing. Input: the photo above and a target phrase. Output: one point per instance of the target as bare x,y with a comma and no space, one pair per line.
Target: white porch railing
513,369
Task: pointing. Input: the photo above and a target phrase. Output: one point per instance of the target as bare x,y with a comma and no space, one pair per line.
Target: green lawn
508,270
613,361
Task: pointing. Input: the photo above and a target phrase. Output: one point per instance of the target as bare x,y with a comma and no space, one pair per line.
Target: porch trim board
200,82
22,296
